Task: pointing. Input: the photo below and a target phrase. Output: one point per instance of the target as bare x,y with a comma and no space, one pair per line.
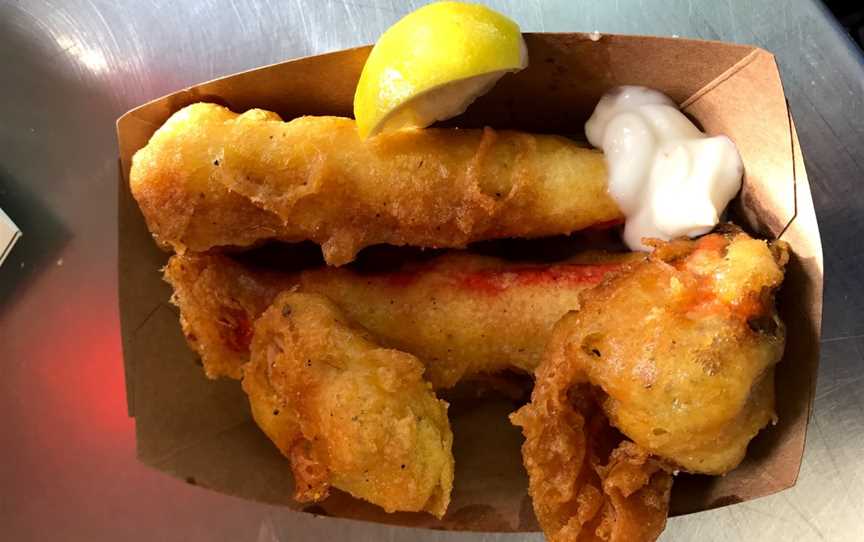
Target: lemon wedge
433,63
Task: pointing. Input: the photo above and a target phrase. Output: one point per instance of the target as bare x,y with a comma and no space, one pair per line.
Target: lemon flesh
433,63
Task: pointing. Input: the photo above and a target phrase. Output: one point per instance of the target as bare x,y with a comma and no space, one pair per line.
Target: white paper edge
9,234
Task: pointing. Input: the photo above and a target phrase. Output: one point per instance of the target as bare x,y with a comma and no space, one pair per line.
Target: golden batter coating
346,412
461,314
211,178
678,351
585,482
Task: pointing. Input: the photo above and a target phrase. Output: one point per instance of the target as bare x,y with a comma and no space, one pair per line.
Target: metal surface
67,463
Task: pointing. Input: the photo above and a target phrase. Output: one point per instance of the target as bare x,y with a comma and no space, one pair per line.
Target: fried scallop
677,351
346,412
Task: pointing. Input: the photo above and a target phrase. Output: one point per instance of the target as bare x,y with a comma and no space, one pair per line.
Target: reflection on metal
68,466
91,59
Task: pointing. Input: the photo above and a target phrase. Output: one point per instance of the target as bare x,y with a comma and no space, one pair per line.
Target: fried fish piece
586,483
219,301
211,178
678,352
684,347
347,413
461,314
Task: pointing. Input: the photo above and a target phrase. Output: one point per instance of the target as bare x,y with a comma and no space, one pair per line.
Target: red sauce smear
704,300
494,281
713,242
703,296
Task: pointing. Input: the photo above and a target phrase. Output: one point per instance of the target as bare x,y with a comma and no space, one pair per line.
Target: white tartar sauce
668,178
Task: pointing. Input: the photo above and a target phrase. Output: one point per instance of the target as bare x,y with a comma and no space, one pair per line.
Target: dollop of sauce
667,177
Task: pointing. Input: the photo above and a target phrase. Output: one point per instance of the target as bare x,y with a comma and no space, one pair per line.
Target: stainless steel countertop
67,456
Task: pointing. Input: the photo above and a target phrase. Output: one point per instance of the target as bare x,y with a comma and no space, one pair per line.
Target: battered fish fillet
461,314
346,412
678,352
212,178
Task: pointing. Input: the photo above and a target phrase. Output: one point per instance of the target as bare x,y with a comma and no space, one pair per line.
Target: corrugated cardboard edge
786,214
564,70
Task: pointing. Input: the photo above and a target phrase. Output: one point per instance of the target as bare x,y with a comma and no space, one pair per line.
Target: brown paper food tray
201,430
